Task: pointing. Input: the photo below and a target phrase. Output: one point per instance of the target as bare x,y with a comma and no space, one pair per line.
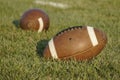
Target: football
34,19
77,42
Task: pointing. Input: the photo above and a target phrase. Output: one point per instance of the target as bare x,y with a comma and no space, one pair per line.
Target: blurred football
34,19
78,42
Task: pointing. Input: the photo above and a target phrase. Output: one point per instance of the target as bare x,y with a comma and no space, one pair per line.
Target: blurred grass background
21,51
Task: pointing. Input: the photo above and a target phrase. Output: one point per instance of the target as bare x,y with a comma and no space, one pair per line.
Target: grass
20,51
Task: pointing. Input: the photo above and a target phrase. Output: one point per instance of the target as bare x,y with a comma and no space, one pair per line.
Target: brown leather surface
46,52
75,43
29,20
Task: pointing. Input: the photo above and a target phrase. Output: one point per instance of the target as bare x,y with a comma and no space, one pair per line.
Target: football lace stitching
69,29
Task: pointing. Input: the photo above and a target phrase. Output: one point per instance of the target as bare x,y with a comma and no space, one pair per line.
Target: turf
21,51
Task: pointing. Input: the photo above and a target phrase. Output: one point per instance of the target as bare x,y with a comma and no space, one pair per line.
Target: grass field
21,51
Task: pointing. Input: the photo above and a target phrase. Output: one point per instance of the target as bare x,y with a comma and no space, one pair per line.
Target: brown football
34,19
78,42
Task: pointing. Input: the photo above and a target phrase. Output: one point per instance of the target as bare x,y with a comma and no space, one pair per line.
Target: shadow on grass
41,46
16,23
